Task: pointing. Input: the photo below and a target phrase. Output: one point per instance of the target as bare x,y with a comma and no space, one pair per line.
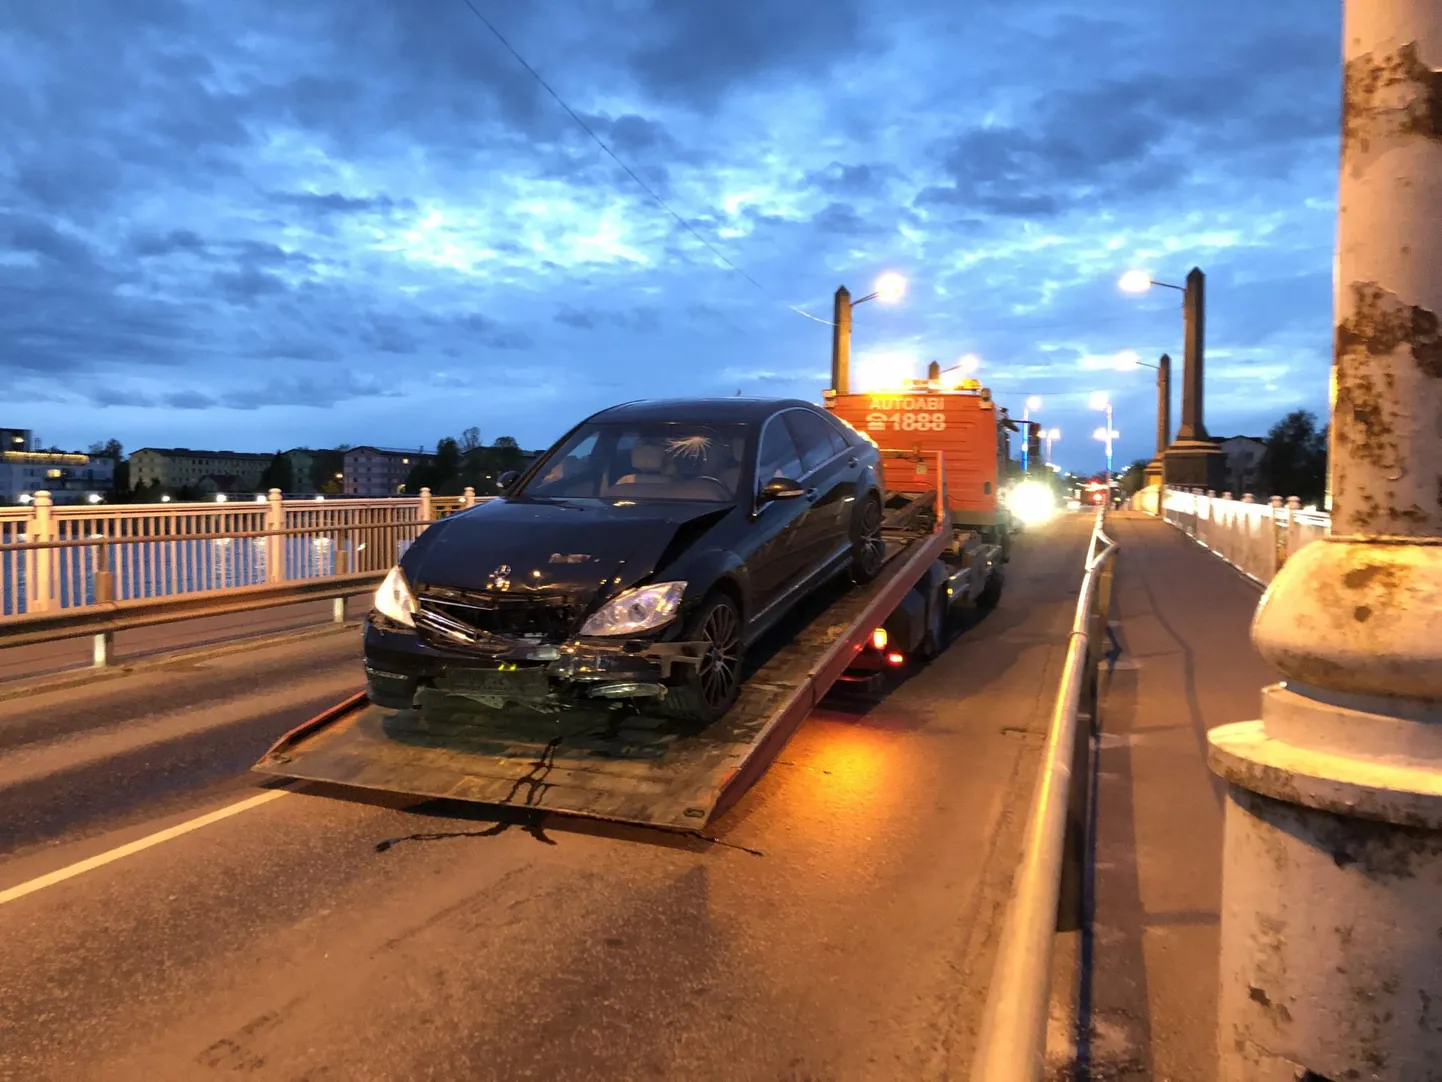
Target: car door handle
810,495
853,463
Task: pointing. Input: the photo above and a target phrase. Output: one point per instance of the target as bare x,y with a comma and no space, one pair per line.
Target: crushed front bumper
400,666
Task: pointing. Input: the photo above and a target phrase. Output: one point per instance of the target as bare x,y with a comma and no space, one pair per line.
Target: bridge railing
1046,892
68,559
1256,538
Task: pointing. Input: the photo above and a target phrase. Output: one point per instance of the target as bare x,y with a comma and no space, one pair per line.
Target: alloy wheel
873,545
719,665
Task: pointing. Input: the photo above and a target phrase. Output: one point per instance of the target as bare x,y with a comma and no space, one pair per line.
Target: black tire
868,547
991,593
706,691
933,641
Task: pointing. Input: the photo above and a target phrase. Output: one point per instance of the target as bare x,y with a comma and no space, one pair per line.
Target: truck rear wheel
710,688
938,609
991,593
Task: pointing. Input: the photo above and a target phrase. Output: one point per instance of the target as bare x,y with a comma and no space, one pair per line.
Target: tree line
458,463
1294,463
463,462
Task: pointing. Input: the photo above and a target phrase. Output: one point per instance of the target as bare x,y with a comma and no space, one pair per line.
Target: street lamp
890,287
1192,442
1100,401
1052,435
1032,403
1128,359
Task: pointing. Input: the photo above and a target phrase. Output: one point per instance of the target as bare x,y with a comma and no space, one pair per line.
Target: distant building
69,478
1244,463
302,460
181,467
379,471
17,439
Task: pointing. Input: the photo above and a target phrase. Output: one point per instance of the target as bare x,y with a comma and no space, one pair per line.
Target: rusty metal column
841,342
1331,959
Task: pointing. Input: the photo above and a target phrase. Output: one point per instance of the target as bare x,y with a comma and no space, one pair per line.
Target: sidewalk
1182,663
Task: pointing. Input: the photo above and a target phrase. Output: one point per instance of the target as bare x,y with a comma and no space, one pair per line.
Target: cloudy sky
252,224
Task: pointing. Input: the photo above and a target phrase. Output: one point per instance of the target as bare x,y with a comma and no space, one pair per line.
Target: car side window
777,456
814,437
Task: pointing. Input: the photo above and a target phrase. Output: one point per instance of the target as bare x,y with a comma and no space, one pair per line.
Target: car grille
508,616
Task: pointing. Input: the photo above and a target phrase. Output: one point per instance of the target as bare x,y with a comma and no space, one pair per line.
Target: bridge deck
1182,663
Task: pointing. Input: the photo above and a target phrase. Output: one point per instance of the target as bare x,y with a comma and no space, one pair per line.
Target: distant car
637,560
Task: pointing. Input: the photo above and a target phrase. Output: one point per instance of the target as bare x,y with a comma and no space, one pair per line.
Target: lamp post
1192,460
889,287
1163,368
1052,435
1101,401
1032,403
1332,858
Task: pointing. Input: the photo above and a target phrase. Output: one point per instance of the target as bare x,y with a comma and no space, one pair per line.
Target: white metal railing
1256,538
74,556
1011,1046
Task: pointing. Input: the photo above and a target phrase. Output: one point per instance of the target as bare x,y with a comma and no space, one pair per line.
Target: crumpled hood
581,548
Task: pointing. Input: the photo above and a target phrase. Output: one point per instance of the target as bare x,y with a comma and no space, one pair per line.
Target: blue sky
255,225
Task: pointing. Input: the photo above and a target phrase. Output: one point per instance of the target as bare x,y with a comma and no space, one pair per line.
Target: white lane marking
129,848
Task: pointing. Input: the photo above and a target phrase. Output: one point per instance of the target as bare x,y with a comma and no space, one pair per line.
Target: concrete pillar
841,341
1156,470
1193,459
1194,331
1164,403
1331,959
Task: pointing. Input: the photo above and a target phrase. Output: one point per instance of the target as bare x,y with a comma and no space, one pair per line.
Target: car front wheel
710,688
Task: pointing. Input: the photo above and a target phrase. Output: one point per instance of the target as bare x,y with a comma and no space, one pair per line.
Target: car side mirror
506,480
781,488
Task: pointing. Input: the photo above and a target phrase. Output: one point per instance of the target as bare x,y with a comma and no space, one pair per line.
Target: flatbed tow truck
628,767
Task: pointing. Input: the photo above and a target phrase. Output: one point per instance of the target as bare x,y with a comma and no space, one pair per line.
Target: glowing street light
1100,401
1032,403
1052,435
1136,281
890,287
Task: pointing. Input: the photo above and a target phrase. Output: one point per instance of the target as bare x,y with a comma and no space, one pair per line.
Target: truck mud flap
607,764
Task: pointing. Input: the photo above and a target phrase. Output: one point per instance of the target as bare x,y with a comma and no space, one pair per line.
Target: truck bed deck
609,764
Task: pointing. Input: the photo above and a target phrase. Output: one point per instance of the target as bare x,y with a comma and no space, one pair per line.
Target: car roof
720,410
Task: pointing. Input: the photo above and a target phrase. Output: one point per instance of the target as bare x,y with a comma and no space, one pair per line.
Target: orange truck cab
959,420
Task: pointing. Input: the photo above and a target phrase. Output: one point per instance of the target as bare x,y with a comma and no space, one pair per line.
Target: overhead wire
661,202
596,138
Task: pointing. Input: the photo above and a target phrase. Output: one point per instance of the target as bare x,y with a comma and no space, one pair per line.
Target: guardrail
1256,538
1012,1044
75,571
60,558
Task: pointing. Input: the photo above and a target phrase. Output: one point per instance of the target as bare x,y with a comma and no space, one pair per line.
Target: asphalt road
838,926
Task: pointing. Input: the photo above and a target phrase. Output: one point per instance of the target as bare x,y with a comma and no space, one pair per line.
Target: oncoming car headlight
641,609
394,599
1032,502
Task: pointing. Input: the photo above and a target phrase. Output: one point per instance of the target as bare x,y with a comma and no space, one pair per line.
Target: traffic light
1033,445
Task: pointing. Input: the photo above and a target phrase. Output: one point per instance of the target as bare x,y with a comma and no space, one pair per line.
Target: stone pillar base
1331,960
1195,464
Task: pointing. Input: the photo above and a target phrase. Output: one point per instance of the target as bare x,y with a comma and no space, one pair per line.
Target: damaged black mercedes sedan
635,562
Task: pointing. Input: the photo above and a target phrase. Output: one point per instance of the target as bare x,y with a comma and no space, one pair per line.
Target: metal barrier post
41,570
274,544
103,643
